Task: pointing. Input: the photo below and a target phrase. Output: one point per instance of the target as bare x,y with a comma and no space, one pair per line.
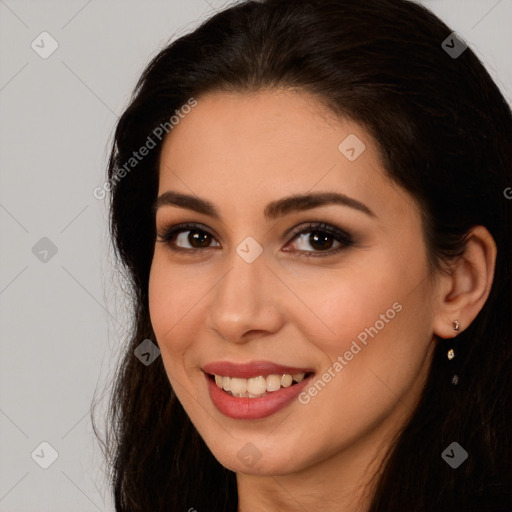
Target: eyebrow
274,210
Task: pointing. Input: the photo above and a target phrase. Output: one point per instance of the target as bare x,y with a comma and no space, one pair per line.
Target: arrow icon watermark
147,352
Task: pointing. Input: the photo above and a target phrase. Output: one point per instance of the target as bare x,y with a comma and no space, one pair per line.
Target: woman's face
259,297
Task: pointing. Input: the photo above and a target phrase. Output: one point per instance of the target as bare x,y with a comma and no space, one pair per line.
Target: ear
463,292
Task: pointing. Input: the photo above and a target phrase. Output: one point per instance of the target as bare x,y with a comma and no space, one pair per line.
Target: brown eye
319,240
202,238
321,237
178,237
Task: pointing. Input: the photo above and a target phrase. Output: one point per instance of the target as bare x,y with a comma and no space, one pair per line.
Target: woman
309,198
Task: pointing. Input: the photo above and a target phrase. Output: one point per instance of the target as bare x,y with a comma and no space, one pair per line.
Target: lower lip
253,408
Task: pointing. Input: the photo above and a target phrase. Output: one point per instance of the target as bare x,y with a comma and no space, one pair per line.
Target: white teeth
273,383
226,382
238,386
256,387
286,380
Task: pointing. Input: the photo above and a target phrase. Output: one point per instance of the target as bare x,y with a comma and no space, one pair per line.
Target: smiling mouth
257,387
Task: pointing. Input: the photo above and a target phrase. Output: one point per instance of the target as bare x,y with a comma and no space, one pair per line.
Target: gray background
61,315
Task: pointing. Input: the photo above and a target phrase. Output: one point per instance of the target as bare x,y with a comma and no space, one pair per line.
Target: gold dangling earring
451,353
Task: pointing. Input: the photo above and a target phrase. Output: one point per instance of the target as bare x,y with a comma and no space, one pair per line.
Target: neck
342,482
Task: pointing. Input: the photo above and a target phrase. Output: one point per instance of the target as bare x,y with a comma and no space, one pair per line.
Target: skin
240,151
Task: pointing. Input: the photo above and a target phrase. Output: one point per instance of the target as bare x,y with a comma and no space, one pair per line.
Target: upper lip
251,369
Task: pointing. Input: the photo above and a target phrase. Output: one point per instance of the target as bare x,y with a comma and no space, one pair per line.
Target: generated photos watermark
343,360
158,133
454,455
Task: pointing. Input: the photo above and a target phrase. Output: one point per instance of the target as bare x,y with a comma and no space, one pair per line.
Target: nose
246,302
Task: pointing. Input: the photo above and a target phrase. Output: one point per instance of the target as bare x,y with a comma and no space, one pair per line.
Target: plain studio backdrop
67,71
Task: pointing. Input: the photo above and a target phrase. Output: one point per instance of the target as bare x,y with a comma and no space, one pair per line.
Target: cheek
381,343
345,305
170,298
376,318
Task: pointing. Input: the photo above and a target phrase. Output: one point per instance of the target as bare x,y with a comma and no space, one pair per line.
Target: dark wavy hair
444,133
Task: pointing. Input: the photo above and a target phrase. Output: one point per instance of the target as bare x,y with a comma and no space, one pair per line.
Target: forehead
251,147
259,127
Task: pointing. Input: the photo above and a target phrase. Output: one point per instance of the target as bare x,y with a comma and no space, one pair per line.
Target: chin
248,459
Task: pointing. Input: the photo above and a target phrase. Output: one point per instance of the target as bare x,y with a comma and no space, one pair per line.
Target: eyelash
341,236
